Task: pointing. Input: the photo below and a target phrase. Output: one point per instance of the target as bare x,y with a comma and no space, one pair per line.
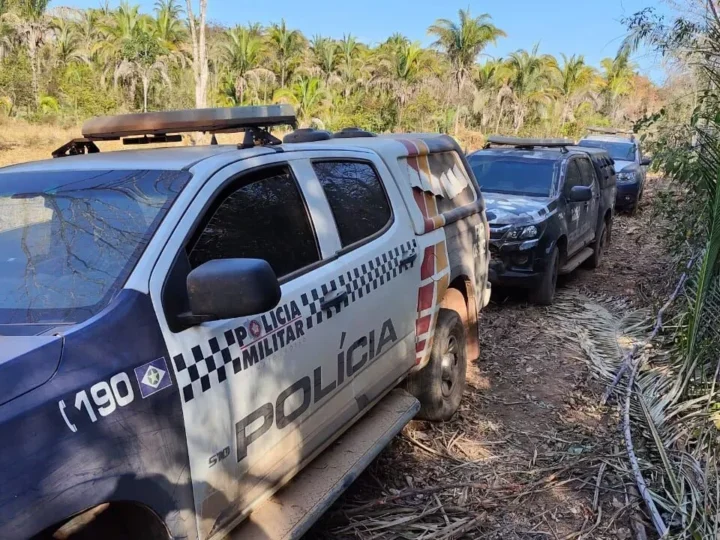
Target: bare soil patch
531,454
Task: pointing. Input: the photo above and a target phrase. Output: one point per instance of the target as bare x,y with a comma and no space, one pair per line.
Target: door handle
333,299
408,260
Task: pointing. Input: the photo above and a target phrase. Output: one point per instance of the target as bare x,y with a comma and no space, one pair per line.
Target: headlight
530,231
523,233
625,178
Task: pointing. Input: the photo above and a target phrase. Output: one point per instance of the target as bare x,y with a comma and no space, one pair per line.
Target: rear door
588,209
377,266
573,210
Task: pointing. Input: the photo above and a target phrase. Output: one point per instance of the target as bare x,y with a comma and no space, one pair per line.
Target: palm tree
307,95
575,82
325,56
118,29
287,44
168,26
31,22
349,51
242,53
143,59
404,65
67,45
530,81
617,79
462,43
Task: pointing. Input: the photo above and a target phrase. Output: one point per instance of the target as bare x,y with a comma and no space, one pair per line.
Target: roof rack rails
158,127
522,143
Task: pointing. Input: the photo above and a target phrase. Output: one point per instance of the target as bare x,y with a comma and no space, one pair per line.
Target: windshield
619,151
515,176
68,240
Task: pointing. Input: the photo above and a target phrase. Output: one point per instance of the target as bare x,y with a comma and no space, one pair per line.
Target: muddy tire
545,292
598,248
439,386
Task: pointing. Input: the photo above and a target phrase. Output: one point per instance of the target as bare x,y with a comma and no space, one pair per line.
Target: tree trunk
461,82
32,52
499,118
199,52
282,75
146,85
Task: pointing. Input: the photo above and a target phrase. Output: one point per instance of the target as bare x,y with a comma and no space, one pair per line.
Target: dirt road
531,454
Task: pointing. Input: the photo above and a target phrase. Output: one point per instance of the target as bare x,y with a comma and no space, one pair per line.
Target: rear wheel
598,248
545,292
439,386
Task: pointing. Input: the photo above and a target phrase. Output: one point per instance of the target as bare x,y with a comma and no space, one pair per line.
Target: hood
26,362
504,209
625,166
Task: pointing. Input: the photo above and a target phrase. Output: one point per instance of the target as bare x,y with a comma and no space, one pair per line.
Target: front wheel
439,386
545,292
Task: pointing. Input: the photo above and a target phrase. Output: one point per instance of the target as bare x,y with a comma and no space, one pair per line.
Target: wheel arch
462,298
109,520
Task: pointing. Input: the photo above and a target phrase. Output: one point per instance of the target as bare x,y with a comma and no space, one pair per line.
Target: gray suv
630,164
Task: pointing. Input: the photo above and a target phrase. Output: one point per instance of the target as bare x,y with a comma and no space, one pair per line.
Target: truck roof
184,157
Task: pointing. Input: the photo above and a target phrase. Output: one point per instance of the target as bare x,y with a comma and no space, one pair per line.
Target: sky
592,28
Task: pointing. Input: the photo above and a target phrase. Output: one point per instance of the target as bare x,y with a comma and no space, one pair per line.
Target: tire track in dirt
530,454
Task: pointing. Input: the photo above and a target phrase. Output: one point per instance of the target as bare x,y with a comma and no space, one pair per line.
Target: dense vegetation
63,65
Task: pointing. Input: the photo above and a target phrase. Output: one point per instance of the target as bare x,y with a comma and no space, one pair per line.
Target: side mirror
646,161
580,194
230,288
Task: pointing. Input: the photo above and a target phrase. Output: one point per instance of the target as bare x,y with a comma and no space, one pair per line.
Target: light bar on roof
522,142
225,119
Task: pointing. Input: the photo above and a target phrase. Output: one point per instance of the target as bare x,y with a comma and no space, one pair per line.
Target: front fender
57,461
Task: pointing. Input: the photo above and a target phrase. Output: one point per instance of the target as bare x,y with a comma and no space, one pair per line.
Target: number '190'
105,396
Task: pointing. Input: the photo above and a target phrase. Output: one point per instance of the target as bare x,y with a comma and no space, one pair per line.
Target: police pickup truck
550,208
184,330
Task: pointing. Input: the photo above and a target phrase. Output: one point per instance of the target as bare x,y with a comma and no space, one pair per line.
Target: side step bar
576,261
293,509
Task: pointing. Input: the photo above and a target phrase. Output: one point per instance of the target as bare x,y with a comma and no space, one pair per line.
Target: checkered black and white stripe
212,362
358,282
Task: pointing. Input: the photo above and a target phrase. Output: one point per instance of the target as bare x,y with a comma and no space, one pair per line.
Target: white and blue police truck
185,330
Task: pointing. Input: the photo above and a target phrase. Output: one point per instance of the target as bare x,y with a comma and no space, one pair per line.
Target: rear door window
586,172
264,218
356,197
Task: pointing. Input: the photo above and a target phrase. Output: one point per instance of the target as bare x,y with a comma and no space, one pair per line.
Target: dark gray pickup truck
550,208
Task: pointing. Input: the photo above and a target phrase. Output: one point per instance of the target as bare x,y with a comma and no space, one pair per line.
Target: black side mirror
230,288
580,194
646,161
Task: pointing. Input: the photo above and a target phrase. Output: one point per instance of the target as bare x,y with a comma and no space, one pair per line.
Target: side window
572,176
586,172
356,197
265,218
